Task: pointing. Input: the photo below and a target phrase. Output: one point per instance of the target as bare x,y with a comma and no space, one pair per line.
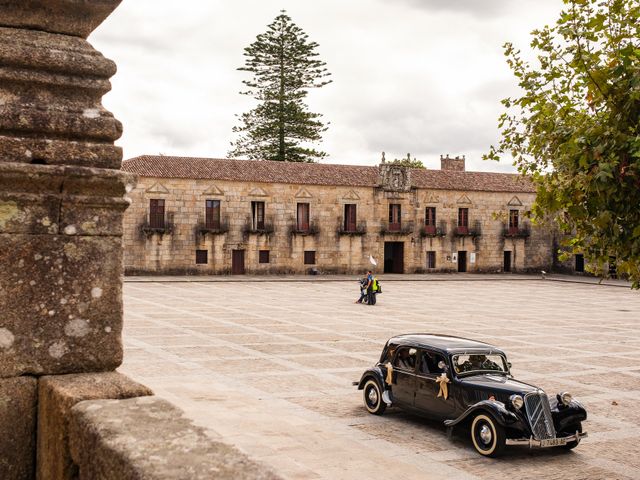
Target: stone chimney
455,164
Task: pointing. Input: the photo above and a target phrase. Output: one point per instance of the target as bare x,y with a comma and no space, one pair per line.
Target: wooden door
394,257
237,262
507,261
462,261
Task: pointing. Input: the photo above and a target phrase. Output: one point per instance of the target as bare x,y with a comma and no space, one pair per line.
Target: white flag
372,260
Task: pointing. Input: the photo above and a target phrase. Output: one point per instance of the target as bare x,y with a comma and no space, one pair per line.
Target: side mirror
509,365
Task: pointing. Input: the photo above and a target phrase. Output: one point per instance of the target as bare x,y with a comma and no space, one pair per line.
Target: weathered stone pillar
61,206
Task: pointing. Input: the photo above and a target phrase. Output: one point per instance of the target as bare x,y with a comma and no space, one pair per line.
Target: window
212,214
302,224
257,214
429,363
406,358
310,257
463,217
156,213
579,263
513,221
430,220
350,217
201,257
394,217
263,256
431,259
430,216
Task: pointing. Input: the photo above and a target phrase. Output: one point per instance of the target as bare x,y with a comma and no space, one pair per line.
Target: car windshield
479,362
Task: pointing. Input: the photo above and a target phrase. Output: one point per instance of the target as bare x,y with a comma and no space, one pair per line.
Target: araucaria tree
285,66
576,129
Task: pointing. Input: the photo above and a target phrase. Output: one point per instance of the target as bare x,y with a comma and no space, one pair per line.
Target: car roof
446,343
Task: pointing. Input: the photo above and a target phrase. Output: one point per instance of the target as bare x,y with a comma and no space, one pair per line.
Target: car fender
566,416
504,417
374,372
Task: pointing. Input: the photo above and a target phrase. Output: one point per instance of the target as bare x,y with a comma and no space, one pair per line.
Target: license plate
553,442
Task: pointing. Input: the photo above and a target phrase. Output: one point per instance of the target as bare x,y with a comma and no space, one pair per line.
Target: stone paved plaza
268,366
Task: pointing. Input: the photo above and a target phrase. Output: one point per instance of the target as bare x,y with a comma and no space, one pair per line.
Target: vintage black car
469,384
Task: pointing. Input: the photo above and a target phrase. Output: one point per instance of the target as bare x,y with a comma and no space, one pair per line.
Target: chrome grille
539,413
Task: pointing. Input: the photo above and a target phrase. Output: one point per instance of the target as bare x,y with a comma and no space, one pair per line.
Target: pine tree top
285,65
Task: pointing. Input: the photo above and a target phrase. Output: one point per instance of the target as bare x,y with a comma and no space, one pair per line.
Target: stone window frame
309,257
350,217
157,212
395,213
211,222
430,219
202,257
463,217
514,219
303,216
258,214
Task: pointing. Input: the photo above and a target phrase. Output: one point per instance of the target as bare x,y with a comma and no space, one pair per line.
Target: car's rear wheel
487,435
372,394
570,431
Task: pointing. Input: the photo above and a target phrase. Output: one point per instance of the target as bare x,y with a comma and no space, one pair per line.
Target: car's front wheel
372,394
487,435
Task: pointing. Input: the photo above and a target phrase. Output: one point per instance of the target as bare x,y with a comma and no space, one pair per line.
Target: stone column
61,207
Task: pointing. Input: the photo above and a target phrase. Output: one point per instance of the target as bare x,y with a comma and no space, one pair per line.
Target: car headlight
565,398
516,401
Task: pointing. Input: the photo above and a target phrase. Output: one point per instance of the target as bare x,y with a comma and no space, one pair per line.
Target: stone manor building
213,216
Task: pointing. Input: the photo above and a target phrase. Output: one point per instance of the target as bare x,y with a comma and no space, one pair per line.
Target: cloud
474,8
419,76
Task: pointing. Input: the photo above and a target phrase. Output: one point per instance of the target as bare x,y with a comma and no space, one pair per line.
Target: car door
427,388
404,381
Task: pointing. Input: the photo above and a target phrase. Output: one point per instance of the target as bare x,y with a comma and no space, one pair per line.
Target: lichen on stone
57,349
77,328
9,211
6,338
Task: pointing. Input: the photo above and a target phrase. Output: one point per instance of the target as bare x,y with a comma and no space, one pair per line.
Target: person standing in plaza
363,290
371,295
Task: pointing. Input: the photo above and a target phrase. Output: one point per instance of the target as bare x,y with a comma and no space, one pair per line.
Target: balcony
516,232
353,230
264,229
213,228
158,224
434,231
465,231
311,230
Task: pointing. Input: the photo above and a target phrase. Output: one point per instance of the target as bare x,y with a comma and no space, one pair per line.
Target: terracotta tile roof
316,174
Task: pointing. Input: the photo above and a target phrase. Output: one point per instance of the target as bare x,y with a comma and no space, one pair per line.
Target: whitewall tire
372,395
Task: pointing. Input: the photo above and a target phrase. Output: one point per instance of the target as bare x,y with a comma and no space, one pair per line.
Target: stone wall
173,251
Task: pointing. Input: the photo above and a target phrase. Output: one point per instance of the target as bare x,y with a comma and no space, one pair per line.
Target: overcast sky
418,76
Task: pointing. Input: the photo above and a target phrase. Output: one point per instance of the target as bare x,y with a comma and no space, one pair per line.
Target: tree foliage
408,162
575,130
285,66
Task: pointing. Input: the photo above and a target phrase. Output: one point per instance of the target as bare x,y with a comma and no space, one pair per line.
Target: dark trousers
371,297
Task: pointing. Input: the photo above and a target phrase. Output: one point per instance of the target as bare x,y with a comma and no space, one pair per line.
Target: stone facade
399,247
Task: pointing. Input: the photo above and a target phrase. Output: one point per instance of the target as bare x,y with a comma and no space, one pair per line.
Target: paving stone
304,419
